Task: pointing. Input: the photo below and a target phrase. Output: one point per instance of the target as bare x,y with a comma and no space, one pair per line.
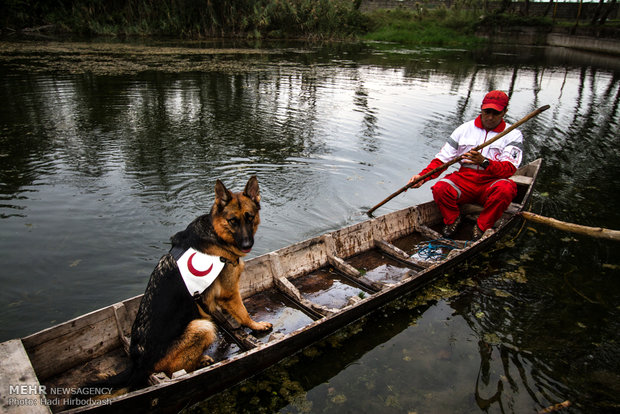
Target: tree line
187,18
319,19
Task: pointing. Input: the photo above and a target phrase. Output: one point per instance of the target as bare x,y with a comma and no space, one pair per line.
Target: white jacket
471,134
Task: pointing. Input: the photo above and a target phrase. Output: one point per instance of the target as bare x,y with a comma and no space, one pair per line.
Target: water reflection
531,334
107,153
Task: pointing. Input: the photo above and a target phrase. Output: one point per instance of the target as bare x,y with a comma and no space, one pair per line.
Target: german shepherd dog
171,331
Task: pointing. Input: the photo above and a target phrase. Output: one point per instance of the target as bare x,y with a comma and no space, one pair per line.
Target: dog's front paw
261,326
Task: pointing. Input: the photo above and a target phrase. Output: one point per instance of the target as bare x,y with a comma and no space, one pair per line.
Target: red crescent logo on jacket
195,271
198,270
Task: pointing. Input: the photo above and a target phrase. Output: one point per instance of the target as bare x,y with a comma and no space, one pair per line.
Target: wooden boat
307,290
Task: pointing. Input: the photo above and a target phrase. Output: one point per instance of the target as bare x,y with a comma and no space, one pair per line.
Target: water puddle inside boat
283,314
409,243
328,288
223,347
379,267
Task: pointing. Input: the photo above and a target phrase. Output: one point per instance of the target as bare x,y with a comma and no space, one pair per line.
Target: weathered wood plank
343,267
354,239
158,378
522,179
233,328
513,208
314,310
131,306
122,325
303,257
429,233
59,348
20,390
277,272
59,387
179,374
396,225
354,274
286,287
433,235
428,214
399,254
256,276
391,250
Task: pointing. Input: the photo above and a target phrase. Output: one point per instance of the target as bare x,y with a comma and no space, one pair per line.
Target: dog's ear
251,189
222,195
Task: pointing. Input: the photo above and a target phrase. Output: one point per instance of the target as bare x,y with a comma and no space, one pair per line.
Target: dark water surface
106,150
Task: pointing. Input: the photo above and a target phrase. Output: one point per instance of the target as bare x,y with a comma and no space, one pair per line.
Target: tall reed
192,18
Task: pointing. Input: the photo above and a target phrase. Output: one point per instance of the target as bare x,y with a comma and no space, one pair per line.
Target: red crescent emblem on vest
195,271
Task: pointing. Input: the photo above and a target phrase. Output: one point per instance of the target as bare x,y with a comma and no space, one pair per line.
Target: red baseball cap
497,100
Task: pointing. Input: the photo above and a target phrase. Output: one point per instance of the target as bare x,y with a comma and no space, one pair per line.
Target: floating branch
598,232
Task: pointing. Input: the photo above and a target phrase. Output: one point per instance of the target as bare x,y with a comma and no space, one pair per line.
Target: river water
107,149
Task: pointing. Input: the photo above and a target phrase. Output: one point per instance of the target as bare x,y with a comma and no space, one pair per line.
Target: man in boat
483,176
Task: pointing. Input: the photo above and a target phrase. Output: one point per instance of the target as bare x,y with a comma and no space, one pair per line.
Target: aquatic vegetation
339,399
518,275
108,58
501,293
311,352
492,339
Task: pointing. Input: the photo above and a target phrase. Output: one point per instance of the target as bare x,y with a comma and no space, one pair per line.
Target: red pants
468,186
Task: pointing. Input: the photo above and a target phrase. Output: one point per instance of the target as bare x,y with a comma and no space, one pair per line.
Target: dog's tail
130,378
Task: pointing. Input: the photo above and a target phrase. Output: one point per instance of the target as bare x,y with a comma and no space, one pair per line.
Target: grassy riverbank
440,27
255,19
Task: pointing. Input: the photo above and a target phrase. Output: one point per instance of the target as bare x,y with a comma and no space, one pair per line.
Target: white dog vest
199,270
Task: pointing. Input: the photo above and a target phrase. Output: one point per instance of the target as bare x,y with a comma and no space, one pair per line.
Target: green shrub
437,27
193,18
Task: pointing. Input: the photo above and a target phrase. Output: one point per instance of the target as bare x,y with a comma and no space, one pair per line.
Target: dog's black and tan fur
170,333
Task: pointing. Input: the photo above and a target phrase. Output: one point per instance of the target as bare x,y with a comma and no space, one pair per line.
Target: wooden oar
460,157
598,232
